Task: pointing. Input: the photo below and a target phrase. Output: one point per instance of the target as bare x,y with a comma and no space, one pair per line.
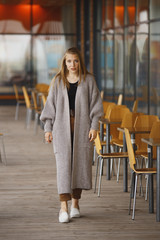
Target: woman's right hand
48,137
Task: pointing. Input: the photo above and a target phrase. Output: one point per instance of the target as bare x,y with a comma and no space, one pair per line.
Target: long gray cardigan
75,172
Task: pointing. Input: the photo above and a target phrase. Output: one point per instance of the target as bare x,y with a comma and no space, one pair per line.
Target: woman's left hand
92,135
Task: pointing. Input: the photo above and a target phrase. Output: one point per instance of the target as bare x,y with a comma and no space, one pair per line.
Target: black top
72,95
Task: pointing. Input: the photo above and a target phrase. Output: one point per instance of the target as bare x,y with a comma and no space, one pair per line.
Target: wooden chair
127,121
155,130
29,106
116,115
19,101
42,87
135,106
106,105
141,171
120,98
44,99
100,160
143,121
102,94
153,134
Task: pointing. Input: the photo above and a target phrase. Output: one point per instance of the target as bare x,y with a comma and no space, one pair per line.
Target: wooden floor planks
29,203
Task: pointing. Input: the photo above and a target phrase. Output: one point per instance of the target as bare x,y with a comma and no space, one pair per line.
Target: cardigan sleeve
96,107
49,110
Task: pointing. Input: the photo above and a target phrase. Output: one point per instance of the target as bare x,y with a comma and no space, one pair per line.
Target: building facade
119,41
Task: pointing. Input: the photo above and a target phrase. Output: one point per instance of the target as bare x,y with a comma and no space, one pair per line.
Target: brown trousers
76,193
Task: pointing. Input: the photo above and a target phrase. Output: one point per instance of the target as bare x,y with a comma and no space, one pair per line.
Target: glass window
142,10
119,13
155,69
15,18
130,12
130,55
47,54
119,64
109,67
54,18
108,13
103,61
154,9
14,60
142,67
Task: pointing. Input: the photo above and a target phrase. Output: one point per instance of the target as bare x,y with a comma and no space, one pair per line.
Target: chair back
34,97
118,112
26,97
98,144
155,131
135,106
42,87
131,155
116,115
120,98
155,134
106,105
128,121
144,121
109,109
102,94
16,91
44,99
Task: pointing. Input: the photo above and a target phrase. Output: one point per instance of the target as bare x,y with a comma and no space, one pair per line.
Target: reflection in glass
131,12
103,62
15,18
142,67
107,14
119,61
47,53
142,10
109,68
155,69
54,18
14,60
119,13
154,9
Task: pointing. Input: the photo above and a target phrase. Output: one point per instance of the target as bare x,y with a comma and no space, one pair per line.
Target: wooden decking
29,203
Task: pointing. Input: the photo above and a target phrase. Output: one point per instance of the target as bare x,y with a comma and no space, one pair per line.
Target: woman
71,114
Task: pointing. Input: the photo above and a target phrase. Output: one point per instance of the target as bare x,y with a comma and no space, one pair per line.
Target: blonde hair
62,74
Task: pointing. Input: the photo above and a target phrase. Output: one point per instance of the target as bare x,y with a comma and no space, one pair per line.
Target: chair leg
118,168
111,167
3,150
141,187
17,111
146,195
131,189
29,116
119,161
111,164
95,185
147,181
100,176
94,155
134,201
36,123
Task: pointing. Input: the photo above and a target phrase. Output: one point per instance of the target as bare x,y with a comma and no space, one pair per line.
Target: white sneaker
63,217
74,213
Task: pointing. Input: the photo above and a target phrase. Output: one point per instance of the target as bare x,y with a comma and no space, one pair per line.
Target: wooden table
133,131
108,123
151,143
